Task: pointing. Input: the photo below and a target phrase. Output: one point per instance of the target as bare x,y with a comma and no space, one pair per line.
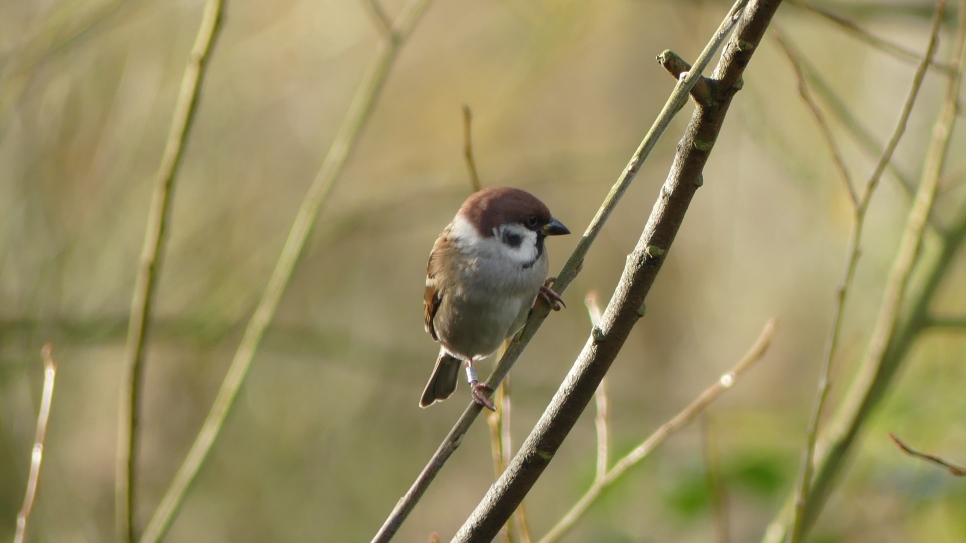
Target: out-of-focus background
326,434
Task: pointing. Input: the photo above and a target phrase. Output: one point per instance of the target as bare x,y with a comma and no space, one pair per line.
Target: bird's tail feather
443,381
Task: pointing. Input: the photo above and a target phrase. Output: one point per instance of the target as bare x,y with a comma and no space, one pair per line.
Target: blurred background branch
149,270
355,119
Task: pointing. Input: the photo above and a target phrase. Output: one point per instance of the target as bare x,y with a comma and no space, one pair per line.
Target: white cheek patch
526,251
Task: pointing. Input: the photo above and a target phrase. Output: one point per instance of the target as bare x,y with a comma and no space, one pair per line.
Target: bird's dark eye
532,221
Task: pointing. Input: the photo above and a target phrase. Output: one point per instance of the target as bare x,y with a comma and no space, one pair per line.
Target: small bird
485,273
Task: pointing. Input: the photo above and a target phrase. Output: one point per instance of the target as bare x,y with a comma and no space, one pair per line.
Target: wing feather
436,273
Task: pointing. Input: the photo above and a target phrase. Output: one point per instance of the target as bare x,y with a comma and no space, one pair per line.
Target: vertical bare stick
468,149
798,524
128,434
600,421
37,454
356,117
498,449
719,498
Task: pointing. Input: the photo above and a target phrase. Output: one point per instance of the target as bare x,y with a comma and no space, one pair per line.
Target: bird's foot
481,394
549,296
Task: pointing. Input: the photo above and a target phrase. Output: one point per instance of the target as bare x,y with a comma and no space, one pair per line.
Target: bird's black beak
555,228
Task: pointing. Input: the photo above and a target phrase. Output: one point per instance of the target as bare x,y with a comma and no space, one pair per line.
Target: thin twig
958,471
891,338
600,397
719,498
662,434
37,453
798,524
356,117
857,31
149,270
823,126
567,274
468,148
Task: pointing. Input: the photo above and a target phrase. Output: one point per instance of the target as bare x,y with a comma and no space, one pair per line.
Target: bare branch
666,430
600,421
794,59
355,119
958,471
468,149
640,270
150,269
799,526
37,454
570,270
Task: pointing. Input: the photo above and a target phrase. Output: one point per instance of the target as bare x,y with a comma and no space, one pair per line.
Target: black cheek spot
511,239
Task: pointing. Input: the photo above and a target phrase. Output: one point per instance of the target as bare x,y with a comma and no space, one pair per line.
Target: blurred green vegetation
326,434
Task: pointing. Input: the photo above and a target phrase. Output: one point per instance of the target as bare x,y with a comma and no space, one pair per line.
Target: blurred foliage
326,434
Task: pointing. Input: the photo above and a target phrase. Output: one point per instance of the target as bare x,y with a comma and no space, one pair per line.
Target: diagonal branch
641,269
668,429
356,117
150,269
570,270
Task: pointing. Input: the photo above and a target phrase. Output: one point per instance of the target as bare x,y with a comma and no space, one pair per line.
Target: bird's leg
479,391
549,296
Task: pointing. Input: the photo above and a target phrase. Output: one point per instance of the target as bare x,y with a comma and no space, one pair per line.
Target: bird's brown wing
442,253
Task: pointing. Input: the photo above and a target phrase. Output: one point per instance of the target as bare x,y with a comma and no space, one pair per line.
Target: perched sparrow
485,272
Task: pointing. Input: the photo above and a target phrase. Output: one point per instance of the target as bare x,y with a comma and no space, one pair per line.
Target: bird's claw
549,296
480,393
